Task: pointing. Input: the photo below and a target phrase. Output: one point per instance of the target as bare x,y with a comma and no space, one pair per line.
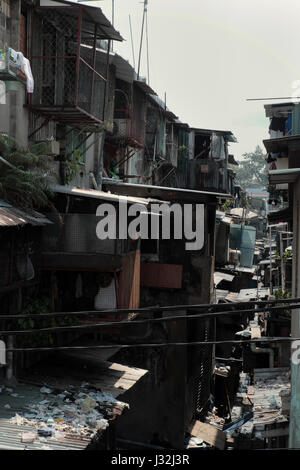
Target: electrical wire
159,309
138,322
156,345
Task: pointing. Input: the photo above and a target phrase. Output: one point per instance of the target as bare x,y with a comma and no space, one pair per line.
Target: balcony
71,86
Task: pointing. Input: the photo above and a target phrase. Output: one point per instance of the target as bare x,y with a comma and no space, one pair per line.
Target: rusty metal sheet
161,275
10,216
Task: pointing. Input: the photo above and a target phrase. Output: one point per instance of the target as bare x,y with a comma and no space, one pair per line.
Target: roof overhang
228,135
282,144
283,215
284,176
232,160
278,109
165,193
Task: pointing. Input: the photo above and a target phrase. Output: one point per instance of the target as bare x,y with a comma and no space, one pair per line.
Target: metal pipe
270,254
142,35
78,55
132,45
106,81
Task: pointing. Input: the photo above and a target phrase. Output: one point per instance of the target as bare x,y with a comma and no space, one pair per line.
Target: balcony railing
70,84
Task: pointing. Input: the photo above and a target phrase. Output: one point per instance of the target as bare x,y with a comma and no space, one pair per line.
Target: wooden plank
209,434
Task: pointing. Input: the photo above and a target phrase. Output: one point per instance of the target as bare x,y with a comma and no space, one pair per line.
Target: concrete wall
163,403
294,438
13,115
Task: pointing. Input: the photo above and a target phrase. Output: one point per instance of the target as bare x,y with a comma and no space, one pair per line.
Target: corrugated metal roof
219,277
240,212
10,439
11,216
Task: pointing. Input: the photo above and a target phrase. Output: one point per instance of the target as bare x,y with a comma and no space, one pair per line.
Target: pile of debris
78,411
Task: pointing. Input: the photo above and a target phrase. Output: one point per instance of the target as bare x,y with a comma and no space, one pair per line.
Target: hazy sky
210,55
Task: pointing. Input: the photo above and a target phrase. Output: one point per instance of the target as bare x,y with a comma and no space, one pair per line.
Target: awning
11,216
91,14
101,195
284,176
144,87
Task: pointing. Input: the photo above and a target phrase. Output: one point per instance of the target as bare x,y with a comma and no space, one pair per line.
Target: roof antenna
132,46
147,42
142,35
112,20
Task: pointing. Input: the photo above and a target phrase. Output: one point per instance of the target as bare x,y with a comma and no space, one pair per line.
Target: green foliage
281,294
36,306
252,170
227,204
24,175
72,166
288,254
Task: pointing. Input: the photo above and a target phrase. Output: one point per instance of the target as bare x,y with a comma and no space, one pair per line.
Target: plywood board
209,434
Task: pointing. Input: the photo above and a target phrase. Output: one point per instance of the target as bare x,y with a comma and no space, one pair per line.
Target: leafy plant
288,254
226,205
24,174
36,306
72,166
281,294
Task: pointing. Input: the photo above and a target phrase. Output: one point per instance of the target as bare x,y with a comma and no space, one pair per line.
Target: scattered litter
84,412
47,432
7,406
28,437
89,404
45,390
19,420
